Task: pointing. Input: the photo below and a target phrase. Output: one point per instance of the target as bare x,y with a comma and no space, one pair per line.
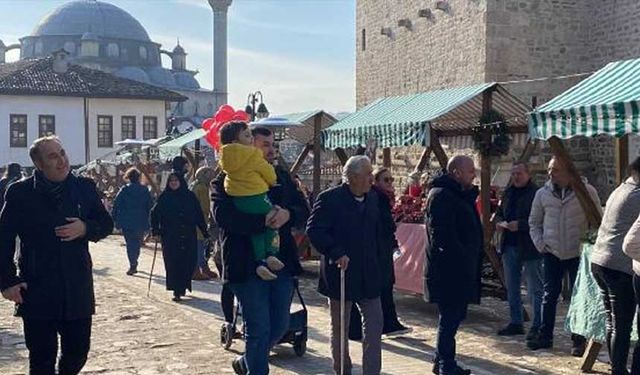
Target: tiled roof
37,77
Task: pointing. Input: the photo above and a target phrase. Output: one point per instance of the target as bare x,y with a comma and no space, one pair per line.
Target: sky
299,53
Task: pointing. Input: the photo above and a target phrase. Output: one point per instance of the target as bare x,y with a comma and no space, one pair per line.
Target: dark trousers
554,270
389,316
41,338
451,315
616,289
227,302
133,240
635,367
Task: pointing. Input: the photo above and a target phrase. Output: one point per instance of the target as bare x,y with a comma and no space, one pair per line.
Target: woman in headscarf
200,188
176,218
131,214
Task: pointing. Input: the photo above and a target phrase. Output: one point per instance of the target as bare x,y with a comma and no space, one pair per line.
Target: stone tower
220,9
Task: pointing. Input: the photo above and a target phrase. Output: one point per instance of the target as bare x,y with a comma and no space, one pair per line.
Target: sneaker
511,330
265,274
274,263
578,350
533,334
457,371
176,299
398,331
240,366
540,343
132,271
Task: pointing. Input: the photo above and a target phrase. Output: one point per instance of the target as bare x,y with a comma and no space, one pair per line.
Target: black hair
230,131
261,130
13,170
132,175
635,166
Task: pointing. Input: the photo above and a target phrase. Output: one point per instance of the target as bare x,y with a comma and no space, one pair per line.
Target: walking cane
155,251
342,321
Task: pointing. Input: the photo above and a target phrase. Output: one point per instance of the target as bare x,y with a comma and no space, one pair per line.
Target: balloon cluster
212,125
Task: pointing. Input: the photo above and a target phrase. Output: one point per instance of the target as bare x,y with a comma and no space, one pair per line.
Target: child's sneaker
274,263
265,274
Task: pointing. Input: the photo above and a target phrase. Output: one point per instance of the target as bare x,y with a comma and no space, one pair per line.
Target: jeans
451,315
513,268
553,270
41,338
133,239
616,289
265,311
635,367
372,333
201,261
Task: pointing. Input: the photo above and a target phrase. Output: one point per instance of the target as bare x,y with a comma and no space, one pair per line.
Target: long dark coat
58,274
387,238
337,228
454,251
175,218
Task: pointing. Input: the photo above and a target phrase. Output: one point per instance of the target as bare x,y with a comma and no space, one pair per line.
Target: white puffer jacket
557,224
631,245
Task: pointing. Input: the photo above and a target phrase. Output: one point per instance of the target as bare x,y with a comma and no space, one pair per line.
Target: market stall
606,103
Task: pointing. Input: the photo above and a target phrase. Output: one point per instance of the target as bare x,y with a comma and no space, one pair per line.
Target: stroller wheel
300,346
226,335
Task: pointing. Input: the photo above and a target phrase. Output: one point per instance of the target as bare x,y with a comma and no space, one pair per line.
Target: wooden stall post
342,156
301,158
622,158
317,153
424,158
386,157
438,151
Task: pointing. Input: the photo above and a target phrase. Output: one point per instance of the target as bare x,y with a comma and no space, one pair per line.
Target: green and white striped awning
605,103
407,120
174,147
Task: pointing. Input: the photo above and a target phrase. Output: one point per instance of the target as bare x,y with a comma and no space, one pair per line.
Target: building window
38,48
364,39
46,125
105,131
143,53
18,130
113,50
149,127
70,47
128,127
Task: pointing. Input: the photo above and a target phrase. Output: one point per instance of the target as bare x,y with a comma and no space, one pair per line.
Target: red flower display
408,209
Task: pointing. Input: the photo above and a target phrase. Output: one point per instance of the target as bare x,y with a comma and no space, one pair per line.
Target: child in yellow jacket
248,179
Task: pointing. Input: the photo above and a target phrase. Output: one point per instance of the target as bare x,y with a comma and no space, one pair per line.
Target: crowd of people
252,207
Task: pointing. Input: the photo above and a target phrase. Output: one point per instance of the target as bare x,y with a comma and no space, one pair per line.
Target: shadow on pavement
11,345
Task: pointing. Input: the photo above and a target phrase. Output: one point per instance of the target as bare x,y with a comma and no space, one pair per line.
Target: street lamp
252,100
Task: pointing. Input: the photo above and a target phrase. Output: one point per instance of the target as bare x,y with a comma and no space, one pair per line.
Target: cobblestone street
133,334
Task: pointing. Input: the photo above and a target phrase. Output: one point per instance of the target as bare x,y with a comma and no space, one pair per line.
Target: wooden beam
438,151
386,157
361,150
342,156
511,129
424,158
594,217
317,153
528,151
622,158
301,158
590,355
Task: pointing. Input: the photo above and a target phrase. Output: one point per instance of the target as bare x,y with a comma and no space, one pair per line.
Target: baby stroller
296,335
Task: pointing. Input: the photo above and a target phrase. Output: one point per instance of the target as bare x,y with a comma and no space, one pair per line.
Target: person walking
344,227
454,254
200,188
131,214
631,247
175,218
556,224
12,174
613,270
265,304
518,252
55,215
383,187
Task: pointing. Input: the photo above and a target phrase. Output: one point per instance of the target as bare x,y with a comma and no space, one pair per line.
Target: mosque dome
161,77
186,80
102,19
134,73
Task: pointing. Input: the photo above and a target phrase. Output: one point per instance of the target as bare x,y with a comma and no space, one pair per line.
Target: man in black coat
344,227
453,253
55,214
518,251
265,304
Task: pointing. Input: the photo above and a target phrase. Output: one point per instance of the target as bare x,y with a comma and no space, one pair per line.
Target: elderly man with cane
343,227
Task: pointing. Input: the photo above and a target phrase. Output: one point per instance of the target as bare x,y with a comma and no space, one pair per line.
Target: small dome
134,73
186,80
161,77
104,19
178,50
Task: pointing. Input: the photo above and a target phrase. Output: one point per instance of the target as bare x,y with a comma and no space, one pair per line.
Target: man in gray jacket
556,225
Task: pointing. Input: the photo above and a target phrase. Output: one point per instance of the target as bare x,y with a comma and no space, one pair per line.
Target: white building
88,109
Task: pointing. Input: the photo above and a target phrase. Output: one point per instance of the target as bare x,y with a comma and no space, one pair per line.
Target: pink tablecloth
409,267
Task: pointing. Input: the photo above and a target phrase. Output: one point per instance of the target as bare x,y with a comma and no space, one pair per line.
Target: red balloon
207,123
241,116
213,138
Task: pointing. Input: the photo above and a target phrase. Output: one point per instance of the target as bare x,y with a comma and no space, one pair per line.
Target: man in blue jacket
453,253
55,215
344,227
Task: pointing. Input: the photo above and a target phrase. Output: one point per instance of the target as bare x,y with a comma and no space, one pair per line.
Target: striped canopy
605,103
407,120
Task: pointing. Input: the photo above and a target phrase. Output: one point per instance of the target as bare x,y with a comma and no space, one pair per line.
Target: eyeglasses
388,180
